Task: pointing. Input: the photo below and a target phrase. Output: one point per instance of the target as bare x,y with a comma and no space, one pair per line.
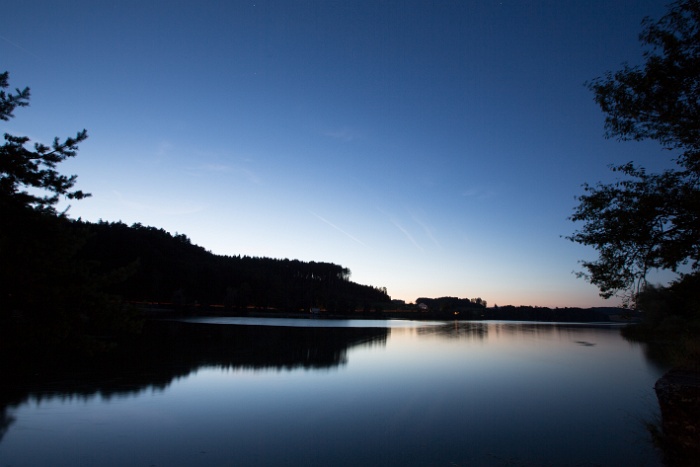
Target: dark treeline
452,304
475,309
566,315
165,268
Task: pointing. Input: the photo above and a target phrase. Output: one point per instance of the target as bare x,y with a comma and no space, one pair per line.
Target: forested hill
161,267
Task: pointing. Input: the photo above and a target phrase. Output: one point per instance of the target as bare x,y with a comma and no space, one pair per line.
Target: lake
247,391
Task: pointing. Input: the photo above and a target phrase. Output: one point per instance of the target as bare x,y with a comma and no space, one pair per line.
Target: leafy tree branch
646,221
23,169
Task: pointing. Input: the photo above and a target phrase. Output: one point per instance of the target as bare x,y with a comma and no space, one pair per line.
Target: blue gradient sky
434,148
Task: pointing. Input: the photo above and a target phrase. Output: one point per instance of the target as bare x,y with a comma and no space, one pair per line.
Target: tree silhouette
22,168
645,221
173,270
48,298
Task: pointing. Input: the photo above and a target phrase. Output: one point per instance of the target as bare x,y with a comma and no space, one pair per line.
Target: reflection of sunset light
487,343
461,381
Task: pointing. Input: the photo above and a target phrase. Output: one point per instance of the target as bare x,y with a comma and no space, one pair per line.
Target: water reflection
170,350
312,322
479,330
6,419
457,330
457,393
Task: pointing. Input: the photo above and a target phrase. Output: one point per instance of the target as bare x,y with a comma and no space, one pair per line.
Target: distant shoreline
593,315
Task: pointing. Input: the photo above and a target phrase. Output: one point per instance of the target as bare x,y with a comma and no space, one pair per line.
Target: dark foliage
646,221
562,315
464,306
25,171
475,309
48,297
659,100
170,269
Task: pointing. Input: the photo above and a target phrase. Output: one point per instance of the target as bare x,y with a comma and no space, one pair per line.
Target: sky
435,148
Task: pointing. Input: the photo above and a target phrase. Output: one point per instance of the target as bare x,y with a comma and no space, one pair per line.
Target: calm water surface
316,392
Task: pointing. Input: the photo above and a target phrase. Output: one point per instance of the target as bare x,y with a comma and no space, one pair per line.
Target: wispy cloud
353,238
19,47
248,174
166,208
406,233
478,193
344,134
164,148
429,231
217,168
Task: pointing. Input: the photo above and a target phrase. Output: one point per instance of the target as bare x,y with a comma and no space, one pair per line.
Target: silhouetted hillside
168,268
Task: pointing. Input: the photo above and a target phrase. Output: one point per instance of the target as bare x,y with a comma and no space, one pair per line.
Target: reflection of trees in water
457,330
481,329
545,329
531,330
658,352
169,350
6,419
579,334
259,347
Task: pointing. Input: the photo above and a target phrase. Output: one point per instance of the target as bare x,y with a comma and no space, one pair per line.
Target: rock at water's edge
678,392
